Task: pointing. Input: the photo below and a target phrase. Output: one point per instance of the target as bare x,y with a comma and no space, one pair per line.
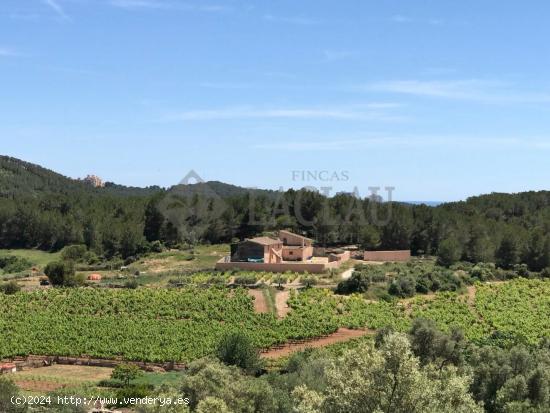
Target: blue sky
440,99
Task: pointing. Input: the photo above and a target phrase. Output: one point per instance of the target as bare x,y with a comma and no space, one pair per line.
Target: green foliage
518,308
358,283
128,392
236,349
62,273
74,252
8,390
207,380
430,345
126,373
515,379
42,209
12,264
131,284
390,380
449,252
10,287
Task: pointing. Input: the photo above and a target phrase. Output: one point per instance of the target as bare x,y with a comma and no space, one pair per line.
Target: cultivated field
184,324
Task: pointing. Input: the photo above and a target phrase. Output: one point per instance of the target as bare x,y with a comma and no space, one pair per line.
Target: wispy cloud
56,7
479,90
165,5
372,111
412,141
399,18
225,85
402,19
7,52
298,20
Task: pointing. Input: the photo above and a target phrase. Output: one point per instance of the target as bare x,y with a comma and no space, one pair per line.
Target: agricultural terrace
160,325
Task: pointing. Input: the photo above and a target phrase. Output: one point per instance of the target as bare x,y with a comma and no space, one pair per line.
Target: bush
129,392
11,264
246,279
449,252
403,287
10,287
308,281
236,349
156,246
75,253
62,273
358,283
131,284
126,373
8,390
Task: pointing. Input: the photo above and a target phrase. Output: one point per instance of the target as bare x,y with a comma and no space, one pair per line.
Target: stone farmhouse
286,252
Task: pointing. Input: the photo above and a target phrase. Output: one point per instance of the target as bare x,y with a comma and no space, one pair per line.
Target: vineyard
157,324
160,325
519,308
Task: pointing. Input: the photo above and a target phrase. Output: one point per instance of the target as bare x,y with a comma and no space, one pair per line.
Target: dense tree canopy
42,209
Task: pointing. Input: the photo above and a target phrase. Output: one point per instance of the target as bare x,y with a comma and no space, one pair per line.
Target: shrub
403,287
8,390
308,281
10,287
131,284
126,373
236,349
123,395
449,252
246,279
12,264
62,273
74,253
358,283
156,246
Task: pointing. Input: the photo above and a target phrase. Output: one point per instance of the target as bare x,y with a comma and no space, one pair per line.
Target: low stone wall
342,257
276,267
33,361
400,255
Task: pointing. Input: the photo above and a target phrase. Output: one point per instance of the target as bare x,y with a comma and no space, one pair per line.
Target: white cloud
372,111
402,19
164,5
399,18
337,144
479,90
56,7
7,52
225,85
298,20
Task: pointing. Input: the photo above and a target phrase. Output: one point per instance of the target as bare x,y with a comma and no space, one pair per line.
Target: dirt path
342,335
471,295
260,305
281,303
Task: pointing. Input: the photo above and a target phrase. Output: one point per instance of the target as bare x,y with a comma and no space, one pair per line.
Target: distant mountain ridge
18,177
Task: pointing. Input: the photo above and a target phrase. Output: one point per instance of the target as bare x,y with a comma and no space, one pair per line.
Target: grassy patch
36,257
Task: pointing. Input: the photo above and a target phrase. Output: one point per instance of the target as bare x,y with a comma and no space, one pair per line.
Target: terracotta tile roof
282,232
265,240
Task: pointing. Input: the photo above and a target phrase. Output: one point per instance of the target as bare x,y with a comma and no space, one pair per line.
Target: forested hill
42,209
502,206
217,189
20,178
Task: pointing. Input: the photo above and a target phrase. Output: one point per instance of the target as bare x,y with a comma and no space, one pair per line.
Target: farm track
260,304
281,303
340,336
